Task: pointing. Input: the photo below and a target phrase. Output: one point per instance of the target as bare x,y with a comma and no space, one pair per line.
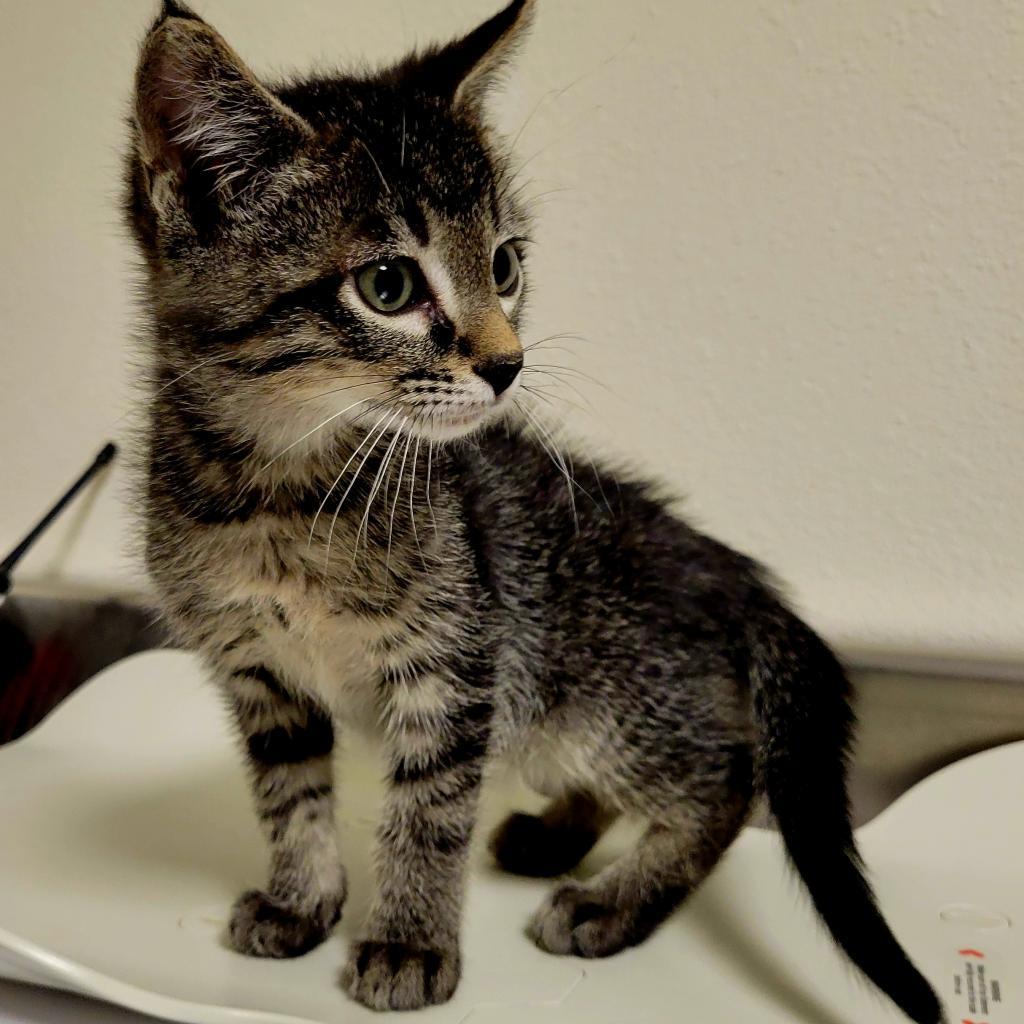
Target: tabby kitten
347,517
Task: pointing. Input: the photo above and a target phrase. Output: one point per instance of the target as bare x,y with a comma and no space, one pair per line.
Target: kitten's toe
395,976
263,926
525,844
576,921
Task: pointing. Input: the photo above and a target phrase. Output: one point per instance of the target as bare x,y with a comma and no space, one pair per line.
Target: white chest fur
334,656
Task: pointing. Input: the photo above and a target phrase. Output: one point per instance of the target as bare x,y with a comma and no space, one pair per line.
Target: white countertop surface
25,1004
123,849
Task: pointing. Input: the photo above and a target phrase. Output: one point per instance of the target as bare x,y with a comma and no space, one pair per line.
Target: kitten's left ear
464,71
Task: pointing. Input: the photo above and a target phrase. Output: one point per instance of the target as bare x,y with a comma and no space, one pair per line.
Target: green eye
507,270
388,286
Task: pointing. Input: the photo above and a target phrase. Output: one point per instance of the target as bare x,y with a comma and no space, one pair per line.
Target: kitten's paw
266,927
525,844
394,976
576,921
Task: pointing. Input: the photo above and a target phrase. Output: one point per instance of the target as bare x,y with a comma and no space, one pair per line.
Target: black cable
105,456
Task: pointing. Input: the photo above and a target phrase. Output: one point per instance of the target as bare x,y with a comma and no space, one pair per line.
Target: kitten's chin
451,428
437,426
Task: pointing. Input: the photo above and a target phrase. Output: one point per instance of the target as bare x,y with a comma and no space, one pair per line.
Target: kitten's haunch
355,513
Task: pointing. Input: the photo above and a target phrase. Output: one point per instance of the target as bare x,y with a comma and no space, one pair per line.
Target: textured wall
791,232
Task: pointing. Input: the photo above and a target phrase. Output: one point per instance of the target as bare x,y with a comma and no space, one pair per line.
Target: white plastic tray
127,832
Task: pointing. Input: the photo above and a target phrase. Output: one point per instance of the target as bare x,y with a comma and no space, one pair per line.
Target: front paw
266,927
396,976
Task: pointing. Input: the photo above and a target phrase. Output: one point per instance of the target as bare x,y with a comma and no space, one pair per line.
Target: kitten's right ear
205,125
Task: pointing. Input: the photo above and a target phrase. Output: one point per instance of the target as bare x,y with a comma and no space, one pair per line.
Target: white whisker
430,466
380,173
394,507
571,371
352,482
600,486
330,419
538,391
337,481
198,366
561,382
350,387
374,490
412,498
181,377
559,462
546,342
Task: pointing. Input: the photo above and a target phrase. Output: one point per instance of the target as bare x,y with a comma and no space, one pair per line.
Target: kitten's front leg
288,741
438,735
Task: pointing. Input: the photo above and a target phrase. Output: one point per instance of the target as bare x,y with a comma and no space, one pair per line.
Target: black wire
105,455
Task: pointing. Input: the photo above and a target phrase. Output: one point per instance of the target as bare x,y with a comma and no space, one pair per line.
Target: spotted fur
357,521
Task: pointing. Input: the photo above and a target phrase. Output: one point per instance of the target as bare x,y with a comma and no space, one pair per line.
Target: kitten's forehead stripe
414,217
376,228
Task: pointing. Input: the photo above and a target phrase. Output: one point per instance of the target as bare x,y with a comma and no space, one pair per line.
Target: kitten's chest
307,624
333,655
332,625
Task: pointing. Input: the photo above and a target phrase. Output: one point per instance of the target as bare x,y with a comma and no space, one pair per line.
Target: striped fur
347,517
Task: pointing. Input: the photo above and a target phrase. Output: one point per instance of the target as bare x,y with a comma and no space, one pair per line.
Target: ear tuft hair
464,71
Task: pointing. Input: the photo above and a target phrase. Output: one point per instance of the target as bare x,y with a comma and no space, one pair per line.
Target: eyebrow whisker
384,181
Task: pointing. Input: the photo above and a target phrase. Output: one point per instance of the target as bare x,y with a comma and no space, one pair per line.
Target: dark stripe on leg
286,807
466,750
292,744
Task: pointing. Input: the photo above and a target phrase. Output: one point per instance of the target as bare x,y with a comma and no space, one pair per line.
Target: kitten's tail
801,704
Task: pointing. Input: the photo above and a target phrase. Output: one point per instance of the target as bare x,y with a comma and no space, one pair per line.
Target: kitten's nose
500,373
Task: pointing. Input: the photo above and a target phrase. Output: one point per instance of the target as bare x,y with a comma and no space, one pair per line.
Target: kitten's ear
464,71
202,118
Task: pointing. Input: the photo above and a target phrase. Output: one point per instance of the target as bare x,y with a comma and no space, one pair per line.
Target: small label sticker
978,988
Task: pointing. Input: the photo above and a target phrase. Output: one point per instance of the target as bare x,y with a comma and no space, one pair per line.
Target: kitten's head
351,233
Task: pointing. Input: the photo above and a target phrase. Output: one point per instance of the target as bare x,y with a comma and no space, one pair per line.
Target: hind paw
527,845
577,921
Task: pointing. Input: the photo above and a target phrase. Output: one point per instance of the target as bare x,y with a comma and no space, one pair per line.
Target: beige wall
791,233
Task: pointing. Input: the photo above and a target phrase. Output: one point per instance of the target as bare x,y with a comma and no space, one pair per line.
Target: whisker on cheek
548,444
412,500
394,507
555,380
316,429
570,371
374,491
350,387
549,399
339,478
430,467
337,512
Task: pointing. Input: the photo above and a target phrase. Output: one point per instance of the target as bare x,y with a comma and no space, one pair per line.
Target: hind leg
623,904
550,844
